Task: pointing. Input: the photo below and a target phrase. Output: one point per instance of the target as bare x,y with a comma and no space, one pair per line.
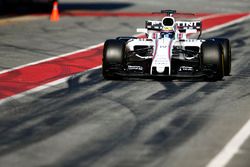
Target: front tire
212,59
113,58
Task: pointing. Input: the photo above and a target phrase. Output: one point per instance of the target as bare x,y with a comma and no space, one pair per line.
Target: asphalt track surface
88,121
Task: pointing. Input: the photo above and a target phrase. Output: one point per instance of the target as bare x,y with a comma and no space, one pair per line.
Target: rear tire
212,59
226,47
113,58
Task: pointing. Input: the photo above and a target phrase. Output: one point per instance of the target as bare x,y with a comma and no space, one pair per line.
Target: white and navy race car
167,50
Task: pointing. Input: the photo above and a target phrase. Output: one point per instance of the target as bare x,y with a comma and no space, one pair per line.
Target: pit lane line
231,148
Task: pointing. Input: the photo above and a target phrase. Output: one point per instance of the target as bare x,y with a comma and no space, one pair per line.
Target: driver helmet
167,32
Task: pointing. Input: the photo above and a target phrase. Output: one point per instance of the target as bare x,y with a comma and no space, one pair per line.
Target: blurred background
17,7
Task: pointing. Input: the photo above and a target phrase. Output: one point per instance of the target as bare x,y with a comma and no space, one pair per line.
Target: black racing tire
226,47
113,58
212,58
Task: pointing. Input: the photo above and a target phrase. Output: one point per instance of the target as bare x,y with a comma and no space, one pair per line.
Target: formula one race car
167,50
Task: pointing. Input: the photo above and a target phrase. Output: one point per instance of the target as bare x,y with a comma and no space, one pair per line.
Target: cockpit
167,34
168,28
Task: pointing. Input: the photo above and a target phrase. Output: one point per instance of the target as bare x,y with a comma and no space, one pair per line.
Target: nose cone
160,69
161,61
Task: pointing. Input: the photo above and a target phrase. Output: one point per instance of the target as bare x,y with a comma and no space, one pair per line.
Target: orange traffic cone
55,13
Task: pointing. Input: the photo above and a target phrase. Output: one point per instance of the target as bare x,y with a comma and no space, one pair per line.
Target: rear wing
153,25
189,27
182,28
186,25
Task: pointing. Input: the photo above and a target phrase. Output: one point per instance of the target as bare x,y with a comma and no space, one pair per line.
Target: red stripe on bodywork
29,77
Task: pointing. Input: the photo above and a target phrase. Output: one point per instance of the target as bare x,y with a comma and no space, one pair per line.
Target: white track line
42,87
227,24
52,58
232,147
